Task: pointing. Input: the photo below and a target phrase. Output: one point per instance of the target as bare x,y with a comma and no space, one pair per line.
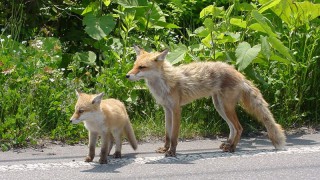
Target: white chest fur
160,91
95,122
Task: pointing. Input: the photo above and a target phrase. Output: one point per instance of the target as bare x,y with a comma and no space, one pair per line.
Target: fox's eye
80,111
141,67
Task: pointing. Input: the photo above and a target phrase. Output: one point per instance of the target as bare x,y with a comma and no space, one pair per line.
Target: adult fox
106,118
173,87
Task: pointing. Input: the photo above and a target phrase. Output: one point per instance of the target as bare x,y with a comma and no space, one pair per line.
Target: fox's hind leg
109,142
225,108
232,116
117,137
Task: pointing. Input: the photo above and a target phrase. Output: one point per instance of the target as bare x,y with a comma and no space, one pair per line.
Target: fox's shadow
112,165
260,145
246,147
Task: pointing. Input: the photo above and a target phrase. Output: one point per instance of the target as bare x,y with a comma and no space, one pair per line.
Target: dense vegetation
50,48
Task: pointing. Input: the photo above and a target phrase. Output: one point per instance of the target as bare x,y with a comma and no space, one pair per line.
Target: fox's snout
133,77
75,119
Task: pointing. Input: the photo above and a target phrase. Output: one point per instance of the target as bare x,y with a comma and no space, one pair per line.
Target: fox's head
147,65
86,106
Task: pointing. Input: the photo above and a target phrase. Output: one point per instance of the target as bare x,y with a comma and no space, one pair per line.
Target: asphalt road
197,159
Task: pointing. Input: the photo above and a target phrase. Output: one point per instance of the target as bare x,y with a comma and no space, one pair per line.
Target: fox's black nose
127,76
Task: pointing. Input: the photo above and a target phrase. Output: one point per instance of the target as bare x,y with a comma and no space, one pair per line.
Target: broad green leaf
206,11
257,27
207,41
295,13
238,22
157,13
208,23
91,7
211,10
177,54
155,17
98,27
86,57
245,54
268,5
106,2
235,36
262,21
202,31
227,37
278,45
245,7
280,59
132,3
265,47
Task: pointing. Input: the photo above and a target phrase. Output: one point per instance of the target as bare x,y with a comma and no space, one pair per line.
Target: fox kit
106,118
173,87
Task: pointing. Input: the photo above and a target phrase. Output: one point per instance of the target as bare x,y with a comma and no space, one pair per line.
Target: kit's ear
78,92
97,99
162,55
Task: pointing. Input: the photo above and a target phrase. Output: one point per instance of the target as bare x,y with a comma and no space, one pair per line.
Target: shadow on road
113,164
263,141
246,147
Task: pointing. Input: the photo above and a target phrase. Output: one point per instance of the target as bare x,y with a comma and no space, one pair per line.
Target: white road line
157,159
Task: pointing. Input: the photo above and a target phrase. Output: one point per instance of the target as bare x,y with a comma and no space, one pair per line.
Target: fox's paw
103,161
170,153
117,154
88,159
162,150
227,147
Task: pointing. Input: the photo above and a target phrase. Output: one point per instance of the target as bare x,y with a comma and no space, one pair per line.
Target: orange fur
173,87
106,118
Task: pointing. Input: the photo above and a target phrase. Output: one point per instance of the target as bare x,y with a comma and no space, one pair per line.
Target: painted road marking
157,159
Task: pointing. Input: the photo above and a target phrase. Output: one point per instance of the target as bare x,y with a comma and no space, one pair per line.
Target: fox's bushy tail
130,135
253,102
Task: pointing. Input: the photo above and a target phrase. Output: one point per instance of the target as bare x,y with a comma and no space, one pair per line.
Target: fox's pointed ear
162,55
97,99
137,49
78,92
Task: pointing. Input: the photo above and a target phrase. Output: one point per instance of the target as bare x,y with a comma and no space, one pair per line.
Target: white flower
9,36
1,40
24,42
39,44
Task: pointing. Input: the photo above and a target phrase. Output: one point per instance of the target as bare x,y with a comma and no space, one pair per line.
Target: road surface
255,158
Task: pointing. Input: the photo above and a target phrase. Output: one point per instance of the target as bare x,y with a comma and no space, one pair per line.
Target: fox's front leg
168,120
176,116
104,149
92,146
